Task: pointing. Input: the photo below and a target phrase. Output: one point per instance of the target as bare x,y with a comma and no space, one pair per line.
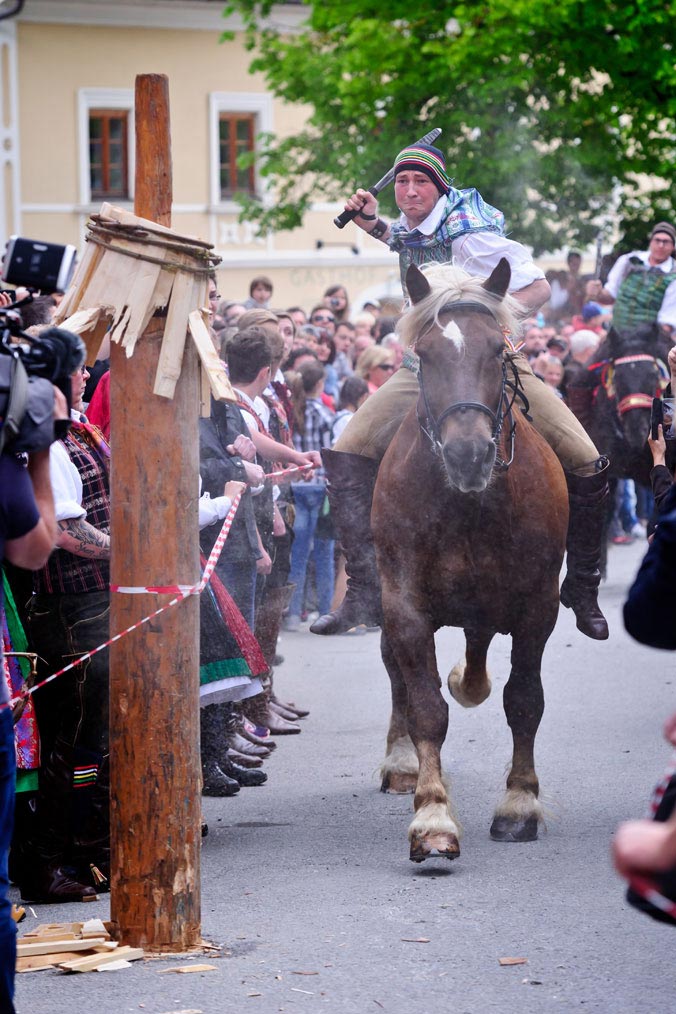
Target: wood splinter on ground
513,961
72,947
184,969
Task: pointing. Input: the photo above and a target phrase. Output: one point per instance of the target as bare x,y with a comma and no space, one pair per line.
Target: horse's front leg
517,816
399,770
433,830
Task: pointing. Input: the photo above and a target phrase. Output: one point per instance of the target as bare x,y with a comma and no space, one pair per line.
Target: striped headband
425,159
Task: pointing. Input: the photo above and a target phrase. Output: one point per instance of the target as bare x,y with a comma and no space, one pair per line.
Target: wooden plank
183,299
39,961
94,928
54,946
221,388
94,961
83,275
125,217
205,394
53,928
92,325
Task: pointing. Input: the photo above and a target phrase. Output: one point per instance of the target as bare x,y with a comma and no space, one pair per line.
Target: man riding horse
440,223
642,284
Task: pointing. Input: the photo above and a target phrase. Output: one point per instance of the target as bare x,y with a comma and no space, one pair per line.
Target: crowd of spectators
298,375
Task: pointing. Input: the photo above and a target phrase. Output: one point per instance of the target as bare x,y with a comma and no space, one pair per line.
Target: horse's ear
615,342
499,279
417,285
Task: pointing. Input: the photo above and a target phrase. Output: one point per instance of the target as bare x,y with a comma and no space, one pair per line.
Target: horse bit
505,402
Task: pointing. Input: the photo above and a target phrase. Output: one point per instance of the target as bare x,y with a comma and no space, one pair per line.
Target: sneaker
622,540
291,623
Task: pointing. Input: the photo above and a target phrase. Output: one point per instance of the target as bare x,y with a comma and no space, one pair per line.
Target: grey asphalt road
307,883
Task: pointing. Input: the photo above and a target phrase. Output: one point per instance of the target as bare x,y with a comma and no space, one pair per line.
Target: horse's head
455,326
634,380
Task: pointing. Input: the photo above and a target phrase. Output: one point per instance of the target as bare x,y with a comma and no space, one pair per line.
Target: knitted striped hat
423,158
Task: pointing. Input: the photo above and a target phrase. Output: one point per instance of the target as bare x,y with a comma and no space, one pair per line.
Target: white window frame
235,102
103,98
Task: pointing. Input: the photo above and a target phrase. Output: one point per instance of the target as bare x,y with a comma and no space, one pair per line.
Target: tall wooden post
155,795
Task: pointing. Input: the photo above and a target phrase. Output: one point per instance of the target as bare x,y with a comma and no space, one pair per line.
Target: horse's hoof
514,829
441,844
398,783
467,697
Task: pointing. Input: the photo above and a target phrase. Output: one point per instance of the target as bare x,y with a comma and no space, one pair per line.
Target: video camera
44,266
29,366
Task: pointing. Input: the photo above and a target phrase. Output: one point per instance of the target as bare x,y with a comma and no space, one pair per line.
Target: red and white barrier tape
184,589
182,592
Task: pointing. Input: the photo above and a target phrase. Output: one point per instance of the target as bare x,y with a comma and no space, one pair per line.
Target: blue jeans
7,924
308,502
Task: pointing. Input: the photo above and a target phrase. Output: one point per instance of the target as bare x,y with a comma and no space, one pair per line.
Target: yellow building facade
67,73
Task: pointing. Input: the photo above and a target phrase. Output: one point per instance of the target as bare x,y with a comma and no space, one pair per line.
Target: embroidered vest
64,572
640,296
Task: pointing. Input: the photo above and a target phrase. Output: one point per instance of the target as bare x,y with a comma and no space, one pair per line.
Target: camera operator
27,536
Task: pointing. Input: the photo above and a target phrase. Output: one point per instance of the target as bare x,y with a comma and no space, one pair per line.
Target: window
236,119
236,133
108,153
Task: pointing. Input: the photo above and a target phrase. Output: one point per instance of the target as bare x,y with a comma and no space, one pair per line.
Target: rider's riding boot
588,498
352,478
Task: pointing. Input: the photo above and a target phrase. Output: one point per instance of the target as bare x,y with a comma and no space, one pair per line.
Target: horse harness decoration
431,424
636,399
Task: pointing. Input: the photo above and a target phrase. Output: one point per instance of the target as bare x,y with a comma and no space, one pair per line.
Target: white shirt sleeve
66,484
212,509
617,274
667,314
479,253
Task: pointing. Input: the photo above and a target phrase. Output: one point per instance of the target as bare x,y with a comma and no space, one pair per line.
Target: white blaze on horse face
454,335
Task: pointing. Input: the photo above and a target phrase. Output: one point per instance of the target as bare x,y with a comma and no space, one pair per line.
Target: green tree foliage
553,110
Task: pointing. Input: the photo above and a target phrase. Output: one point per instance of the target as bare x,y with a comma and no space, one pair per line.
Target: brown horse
469,517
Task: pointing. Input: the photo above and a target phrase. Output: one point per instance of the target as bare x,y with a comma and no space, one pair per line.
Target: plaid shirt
317,436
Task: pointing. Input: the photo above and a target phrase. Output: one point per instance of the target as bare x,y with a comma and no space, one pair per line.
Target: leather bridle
431,424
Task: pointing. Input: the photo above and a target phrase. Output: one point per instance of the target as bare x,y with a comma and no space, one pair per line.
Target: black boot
49,874
588,498
352,479
243,776
215,781
91,821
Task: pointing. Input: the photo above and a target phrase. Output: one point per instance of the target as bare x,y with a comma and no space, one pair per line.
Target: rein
431,424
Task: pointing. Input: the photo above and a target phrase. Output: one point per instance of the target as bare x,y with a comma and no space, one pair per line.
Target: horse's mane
451,284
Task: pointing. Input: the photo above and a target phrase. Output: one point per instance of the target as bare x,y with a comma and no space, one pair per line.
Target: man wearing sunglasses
324,320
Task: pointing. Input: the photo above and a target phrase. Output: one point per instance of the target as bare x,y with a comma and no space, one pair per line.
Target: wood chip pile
73,947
